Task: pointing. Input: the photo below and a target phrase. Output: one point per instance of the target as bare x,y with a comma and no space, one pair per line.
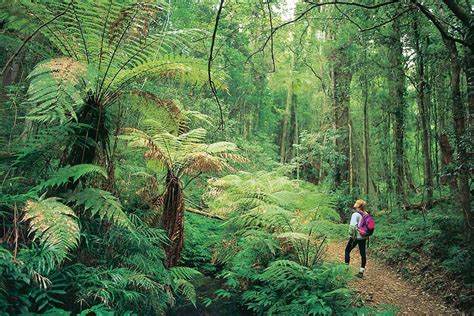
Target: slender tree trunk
366,135
351,157
387,161
285,125
323,86
422,101
296,135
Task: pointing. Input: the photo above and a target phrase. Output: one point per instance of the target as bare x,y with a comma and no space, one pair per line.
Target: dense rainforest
203,157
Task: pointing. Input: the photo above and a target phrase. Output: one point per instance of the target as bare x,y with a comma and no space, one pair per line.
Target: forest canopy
203,157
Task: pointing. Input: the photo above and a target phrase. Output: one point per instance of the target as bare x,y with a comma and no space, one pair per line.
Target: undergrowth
430,248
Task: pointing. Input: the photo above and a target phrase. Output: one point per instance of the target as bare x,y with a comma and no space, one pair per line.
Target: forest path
381,285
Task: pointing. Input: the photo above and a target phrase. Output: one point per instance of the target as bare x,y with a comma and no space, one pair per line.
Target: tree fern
53,224
182,153
106,46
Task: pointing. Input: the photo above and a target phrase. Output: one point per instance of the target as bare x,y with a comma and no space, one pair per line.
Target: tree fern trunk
173,219
92,135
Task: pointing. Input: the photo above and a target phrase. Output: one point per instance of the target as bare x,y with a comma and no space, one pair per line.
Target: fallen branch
210,215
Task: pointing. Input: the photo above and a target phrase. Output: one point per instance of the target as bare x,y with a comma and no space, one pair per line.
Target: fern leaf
53,224
184,273
71,173
54,92
102,204
283,270
186,289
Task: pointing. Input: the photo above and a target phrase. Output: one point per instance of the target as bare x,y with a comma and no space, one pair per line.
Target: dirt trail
381,285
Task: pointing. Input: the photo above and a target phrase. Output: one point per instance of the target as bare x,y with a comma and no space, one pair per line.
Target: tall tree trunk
396,77
387,160
365,92
341,86
173,219
285,126
469,62
296,135
461,143
446,152
351,157
422,101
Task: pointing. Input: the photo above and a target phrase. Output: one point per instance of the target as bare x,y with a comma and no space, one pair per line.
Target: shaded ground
381,285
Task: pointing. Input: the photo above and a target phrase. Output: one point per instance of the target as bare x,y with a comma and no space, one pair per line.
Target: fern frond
186,289
294,236
204,162
184,273
53,92
71,173
189,116
272,219
283,270
190,139
161,115
103,204
53,224
180,68
221,147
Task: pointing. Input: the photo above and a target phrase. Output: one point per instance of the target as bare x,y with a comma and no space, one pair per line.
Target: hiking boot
361,273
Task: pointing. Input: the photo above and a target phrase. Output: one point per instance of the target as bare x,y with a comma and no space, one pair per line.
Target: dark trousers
351,245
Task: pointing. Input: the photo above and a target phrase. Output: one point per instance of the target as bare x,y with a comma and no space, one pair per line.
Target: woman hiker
355,237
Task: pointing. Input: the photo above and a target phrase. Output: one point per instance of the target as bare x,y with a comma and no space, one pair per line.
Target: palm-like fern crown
107,45
184,153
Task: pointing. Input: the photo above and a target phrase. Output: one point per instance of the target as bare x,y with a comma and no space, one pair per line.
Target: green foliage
183,153
102,204
70,173
53,92
54,225
289,288
271,253
181,277
86,244
112,49
201,236
265,192
432,243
